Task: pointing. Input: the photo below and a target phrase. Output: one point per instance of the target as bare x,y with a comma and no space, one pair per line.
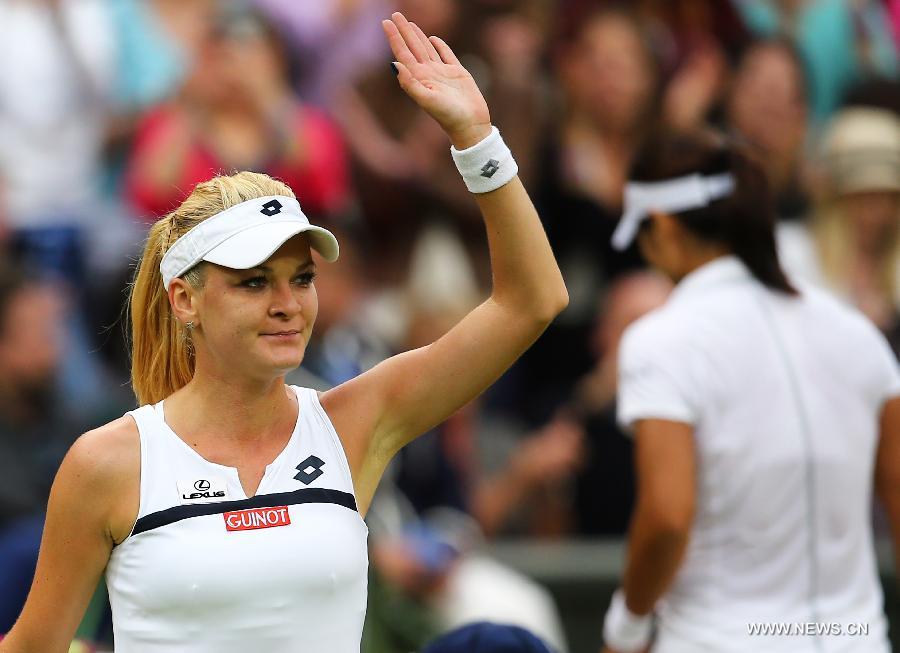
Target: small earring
189,326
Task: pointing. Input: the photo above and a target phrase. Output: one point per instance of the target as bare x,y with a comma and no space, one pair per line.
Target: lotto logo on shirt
256,518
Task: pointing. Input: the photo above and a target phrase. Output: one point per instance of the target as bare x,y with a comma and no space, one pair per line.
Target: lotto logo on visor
270,208
256,518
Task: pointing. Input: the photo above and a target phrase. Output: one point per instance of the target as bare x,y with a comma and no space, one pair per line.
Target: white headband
671,196
244,236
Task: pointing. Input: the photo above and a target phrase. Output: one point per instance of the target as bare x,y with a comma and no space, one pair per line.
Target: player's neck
232,407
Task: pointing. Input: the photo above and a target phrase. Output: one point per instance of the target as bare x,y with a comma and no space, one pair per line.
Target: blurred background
514,509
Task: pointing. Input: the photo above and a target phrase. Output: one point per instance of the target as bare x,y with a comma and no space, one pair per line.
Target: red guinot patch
256,518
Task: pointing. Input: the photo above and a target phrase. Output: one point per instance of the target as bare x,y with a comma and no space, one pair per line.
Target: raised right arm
92,505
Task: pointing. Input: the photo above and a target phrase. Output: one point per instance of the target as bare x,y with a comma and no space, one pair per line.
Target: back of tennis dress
207,569
783,394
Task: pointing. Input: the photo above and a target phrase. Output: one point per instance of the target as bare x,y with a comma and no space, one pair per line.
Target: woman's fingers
397,43
410,84
410,37
410,44
429,47
444,51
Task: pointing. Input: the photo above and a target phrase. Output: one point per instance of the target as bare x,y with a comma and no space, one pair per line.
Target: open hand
695,87
432,76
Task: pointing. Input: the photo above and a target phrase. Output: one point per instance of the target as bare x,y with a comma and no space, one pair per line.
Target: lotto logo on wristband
256,518
490,168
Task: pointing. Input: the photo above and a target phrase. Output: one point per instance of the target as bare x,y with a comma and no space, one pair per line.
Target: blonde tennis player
227,511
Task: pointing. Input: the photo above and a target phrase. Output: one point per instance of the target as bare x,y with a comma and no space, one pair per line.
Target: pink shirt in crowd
319,177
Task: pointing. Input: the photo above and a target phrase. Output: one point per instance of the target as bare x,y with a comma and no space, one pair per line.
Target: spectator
35,429
238,111
510,39
680,29
853,243
843,42
155,48
399,154
186,23
57,69
607,469
523,486
335,41
158,43
767,107
609,78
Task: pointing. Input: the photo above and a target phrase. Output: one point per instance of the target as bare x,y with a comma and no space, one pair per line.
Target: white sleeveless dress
207,569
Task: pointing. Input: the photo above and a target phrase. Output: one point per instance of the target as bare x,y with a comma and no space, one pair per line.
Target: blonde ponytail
161,356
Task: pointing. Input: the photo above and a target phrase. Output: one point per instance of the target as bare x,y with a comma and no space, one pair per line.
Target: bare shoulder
109,451
105,463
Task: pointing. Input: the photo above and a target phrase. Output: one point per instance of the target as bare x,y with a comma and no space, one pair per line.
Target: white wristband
623,631
487,165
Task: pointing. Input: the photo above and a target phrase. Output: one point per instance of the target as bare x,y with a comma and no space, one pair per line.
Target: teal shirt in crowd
825,35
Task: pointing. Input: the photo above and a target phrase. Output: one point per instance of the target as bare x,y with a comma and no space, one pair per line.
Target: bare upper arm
381,410
93,503
665,460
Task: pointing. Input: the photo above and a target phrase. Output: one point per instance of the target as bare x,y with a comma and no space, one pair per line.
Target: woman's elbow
562,298
533,308
676,531
552,305
671,522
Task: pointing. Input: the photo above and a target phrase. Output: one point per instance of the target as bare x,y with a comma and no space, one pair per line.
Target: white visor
244,236
671,196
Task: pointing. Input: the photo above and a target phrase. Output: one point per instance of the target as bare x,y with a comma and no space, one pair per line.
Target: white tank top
208,570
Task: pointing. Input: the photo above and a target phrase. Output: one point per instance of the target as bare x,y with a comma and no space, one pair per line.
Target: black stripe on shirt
303,495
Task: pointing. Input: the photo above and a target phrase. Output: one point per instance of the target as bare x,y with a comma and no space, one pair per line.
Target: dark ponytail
743,221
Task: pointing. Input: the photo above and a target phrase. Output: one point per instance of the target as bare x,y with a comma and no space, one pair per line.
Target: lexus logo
201,485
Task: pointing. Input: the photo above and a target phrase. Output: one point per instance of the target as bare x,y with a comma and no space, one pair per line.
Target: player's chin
287,362
284,357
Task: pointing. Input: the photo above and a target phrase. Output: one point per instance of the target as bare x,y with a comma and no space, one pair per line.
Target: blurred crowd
112,110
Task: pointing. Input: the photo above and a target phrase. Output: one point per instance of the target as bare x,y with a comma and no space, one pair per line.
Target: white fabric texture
487,165
245,235
784,395
192,586
670,196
